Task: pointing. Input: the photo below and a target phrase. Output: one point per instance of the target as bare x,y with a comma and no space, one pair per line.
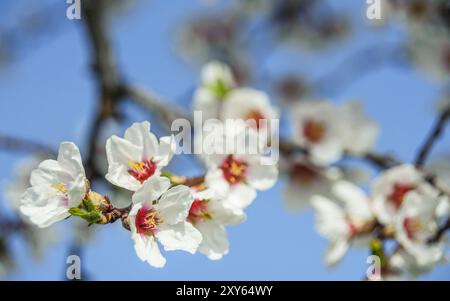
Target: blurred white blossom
56,186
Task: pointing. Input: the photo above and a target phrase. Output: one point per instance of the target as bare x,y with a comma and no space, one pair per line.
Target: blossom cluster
191,214
164,209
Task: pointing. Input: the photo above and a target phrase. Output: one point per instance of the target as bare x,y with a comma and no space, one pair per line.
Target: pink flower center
234,171
303,173
411,227
314,131
141,171
353,229
147,221
398,194
62,192
256,116
199,211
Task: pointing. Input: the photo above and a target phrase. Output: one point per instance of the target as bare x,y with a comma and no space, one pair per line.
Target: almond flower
415,224
342,224
37,238
209,215
13,190
137,157
317,127
236,175
404,263
56,186
430,49
391,187
159,215
304,180
249,105
359,133
216,81
328,130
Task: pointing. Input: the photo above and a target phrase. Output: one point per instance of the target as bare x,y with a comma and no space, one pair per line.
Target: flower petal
139,134
166,149
151,190
181,236
175,203
240,196
262,177
335,251
215,242
147,249
224,215
70,159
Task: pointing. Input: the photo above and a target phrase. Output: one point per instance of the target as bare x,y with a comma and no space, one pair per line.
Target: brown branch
9,225
105,71
288,148
149,100
10,143
381,161
433,137
440,233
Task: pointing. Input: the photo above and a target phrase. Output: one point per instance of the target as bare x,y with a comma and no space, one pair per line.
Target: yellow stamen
60,186
136,166
237,169
152,219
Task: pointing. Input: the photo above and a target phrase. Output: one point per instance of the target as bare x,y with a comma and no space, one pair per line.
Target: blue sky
48,95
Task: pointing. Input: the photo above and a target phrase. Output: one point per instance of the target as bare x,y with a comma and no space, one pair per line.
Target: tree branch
440,233
433,137
153,103
106,73
10,143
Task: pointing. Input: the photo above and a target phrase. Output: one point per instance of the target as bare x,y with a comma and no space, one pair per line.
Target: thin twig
149,100
106,74
433,137
11,143
440,233
382,161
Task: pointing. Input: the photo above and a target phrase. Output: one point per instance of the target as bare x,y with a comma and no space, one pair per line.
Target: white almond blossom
405,263
37,238
249,105
415,224
359,133
304,181
137,157
56,186
430,48
390,188
236,176
159,215
317,127
342,223
209,215
328,130
216,81
13,190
